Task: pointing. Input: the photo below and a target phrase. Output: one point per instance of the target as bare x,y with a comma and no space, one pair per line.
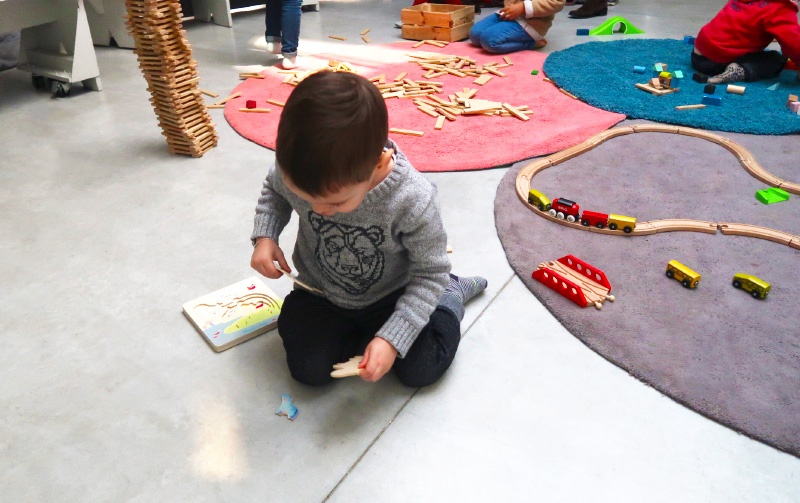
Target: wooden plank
516,113
483,79
406,132
439,123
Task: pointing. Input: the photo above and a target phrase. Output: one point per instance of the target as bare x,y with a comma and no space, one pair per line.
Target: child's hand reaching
378,359
265,253
512,11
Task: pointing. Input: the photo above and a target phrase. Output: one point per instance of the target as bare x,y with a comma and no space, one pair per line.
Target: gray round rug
715,349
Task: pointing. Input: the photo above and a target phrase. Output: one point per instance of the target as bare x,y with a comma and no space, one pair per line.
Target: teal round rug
601,74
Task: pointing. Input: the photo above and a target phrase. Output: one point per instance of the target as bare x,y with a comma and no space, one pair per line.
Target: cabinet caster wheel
60,89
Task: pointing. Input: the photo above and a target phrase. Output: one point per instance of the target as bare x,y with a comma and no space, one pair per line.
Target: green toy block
772,195
678,74
534,72
607,28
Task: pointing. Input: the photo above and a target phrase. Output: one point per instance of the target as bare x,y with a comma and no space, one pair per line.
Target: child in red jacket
731,47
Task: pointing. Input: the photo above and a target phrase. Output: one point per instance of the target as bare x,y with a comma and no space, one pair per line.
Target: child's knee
490,44
415,379
310,375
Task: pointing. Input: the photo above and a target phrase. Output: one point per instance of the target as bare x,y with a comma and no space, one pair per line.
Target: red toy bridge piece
576,280
560,284
587,270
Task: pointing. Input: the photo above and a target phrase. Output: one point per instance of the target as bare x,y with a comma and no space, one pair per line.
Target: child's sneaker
733,73
273,46
290,61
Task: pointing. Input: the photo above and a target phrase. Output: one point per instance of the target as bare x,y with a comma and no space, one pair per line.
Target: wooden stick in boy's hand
348,368
298,281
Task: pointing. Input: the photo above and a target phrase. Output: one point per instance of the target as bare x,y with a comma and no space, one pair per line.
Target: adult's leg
704,65
290,26
273,20
433,351
505,37
478,28
762,65
316,335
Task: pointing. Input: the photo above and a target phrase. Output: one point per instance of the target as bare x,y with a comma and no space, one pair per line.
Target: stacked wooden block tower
165,58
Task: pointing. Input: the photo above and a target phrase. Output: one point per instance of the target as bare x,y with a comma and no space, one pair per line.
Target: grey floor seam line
352,467
379,435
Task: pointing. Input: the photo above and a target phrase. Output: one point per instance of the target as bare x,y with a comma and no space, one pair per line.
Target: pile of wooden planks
460,66
165,58
294,77
464,103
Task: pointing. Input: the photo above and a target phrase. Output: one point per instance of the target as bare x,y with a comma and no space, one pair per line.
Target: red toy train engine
565,209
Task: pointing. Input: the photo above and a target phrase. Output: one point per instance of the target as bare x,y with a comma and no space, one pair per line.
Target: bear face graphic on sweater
348,255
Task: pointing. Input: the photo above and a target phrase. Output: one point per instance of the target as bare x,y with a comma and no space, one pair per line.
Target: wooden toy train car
564,209
758,288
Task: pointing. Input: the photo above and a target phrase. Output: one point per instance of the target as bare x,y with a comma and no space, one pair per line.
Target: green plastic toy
534,72
772,195
607,28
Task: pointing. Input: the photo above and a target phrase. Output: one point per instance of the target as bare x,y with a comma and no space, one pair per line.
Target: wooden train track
746,159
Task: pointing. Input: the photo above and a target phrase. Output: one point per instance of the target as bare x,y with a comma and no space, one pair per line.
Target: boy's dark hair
332,132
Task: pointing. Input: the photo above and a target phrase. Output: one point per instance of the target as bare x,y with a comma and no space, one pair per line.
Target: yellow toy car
627,224
539,200
757,288
686,276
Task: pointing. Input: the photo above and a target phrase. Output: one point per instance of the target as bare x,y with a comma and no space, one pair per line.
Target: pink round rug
470,142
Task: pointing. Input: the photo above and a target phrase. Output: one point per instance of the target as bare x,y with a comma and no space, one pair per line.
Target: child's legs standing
504,37
290,25
481,26
273,20
762,65
316,335
433,351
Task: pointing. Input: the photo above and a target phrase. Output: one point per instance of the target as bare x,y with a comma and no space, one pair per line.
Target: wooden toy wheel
755,294
686,283
570,218
670,274
613,227
737,283
627,230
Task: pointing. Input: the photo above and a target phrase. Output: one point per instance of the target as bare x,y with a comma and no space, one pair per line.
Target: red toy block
250,104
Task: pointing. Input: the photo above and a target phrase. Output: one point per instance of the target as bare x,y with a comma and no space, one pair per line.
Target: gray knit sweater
395,238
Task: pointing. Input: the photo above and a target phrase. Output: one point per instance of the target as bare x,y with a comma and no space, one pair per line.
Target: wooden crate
420,32
441,16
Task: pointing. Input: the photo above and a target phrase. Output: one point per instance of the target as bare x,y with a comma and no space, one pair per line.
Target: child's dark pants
317,334
757,65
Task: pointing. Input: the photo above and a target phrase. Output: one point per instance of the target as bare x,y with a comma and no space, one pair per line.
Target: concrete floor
109,394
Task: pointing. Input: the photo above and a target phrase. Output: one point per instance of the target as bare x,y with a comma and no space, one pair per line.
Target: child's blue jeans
500,37
283,23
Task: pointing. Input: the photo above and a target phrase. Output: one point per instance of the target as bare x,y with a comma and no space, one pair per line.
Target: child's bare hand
378,359
265,254
512,11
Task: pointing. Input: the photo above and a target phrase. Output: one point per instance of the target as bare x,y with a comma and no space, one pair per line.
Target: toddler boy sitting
370,238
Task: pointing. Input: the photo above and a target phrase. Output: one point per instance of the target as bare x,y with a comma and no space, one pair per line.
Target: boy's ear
386,156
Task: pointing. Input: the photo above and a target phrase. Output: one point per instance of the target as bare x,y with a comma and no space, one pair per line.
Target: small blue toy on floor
287,408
